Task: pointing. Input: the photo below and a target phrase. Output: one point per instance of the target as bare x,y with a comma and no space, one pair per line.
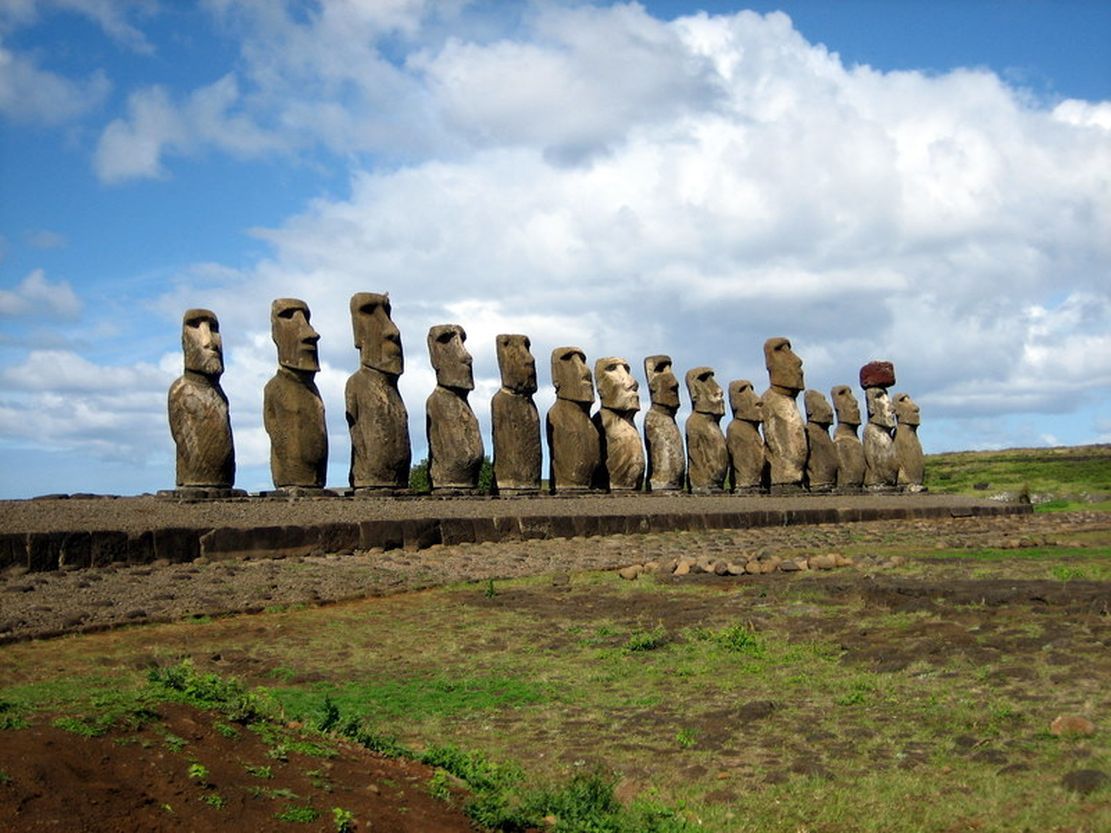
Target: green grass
1063,479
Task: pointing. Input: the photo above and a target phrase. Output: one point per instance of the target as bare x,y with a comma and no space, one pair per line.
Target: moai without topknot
666,468
376,415
622,452
454,443
574,447
908,449
515,421
707,455
784,429
198,411
850,452
821,456
292,410
881,465
743,440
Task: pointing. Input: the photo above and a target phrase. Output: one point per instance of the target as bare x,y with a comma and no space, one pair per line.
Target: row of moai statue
587,453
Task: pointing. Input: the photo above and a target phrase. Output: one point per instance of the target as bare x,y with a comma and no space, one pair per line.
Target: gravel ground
38,605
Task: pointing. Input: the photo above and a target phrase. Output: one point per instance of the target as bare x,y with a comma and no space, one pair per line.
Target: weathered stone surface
707,453
574,445
666,468
377,419
631,572
908,449
880,460
850,451
515,420
877,375
784,428
293,412
821,457
198,408
747,459
455,449
621,449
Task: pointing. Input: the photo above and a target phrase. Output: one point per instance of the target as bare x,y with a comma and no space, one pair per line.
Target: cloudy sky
928,183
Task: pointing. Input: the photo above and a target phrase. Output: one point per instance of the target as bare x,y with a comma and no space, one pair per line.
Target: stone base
200,493
707,490
517,491
748,490
781,489
454,491
380,491
299,491
822,489
882,489
849,490
666,490
915,489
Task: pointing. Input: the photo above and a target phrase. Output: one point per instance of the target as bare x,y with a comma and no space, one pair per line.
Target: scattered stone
756,710
1072,724
721,568
753,567
789,566
682,568
1085,781
823,562
734,569
631,572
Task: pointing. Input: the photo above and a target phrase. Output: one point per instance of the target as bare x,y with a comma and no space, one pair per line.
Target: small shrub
259,771
686,738
214,800
344,820
298,815
646,640
198,772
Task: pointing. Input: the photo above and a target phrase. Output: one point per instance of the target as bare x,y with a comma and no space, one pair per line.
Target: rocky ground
38,605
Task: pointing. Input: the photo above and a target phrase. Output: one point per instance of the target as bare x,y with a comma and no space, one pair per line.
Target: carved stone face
880,411
516,363
706,394
663,387
818,410
295,337
784,367
450,358
844,402
570,375
376,336
745,402
201,342
617,388
906,411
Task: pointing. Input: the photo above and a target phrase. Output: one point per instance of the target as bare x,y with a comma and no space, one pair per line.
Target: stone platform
88,531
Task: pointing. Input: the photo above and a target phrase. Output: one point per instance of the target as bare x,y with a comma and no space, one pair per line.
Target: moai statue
850,453
292,410
376,415
908,449
454,444
198,411
707,455
742,438
784,429
881,465
666,457
622,451
821,457
574,447
515,421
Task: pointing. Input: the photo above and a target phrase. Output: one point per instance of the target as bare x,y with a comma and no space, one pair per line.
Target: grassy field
917,698
1055,479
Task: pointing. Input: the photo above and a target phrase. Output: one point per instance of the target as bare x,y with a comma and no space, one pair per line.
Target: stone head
201,342
294,335
450,358
376,336
516,363
705,393
784,367
844,402
663,387
617,389
745,402
570,375
818,410
880,411
906,411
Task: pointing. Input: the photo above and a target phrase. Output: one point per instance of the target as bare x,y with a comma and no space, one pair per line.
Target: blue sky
924,182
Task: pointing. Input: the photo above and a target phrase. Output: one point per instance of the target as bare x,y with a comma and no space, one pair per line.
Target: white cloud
35,296
46,239
29,93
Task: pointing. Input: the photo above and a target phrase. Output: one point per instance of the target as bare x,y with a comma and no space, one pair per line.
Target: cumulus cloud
29,93
35,296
